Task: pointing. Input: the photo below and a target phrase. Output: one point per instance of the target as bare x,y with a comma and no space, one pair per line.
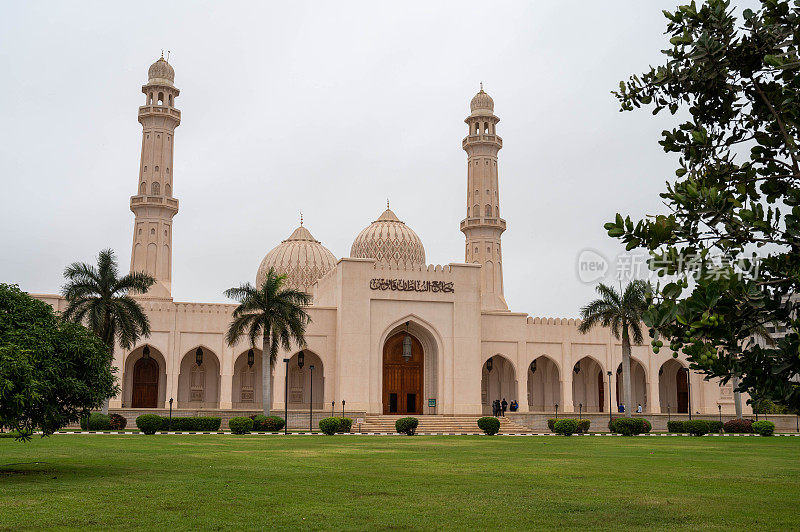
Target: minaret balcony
471,222
482,139
145,110
145,200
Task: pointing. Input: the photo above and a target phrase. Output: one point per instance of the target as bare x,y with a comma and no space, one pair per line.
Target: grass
394,482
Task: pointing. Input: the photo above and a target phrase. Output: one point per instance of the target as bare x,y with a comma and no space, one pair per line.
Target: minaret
483,225
154,205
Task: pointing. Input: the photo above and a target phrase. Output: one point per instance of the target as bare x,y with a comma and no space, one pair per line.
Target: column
654,396
566,394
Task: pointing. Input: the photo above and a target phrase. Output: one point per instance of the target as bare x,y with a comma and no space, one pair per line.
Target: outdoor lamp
301,359
533,367
407,346
198,356
146,352
489,365
577,368
251,358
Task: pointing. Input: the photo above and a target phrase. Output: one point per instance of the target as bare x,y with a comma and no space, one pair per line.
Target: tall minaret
483,225
154,205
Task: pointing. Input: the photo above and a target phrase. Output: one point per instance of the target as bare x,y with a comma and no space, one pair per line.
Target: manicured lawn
458,482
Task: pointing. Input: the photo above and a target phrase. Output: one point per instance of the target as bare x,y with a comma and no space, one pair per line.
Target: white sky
328,108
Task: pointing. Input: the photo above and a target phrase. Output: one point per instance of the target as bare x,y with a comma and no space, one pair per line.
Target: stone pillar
566,393
226,391
654,398
522,393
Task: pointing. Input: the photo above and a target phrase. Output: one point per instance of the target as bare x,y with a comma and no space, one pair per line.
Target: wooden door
683,391
601,390
402,380
145,384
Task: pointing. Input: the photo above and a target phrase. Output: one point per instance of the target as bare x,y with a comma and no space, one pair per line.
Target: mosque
389,333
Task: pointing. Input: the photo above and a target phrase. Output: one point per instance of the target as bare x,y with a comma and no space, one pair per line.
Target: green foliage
739,426
697,427
735,191
148,423
583,425
714,426
273,313
764,427
676,427
629,426
551,422
329,425
240,425
96,422
490,425
267,424
51,370
345,423
406,425
117,422
191,423
566,427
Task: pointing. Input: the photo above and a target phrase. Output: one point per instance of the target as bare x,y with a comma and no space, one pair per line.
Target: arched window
160,98
150,100
143,188
168,190
476,211
485,128
170,100
488,211
155,188
497,212
477,128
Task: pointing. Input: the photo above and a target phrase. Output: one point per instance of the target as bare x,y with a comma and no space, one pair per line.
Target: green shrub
267,424
551,423
647,426
329,425
240,425
697,427
490,425
191,424
406,425
118,422
344,424
676,426
566,427
148,423
764,427
714,426
739,426
629,426
583,425
97,421
258,422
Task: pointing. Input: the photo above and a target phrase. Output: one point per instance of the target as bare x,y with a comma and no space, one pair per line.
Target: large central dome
390,242
301,257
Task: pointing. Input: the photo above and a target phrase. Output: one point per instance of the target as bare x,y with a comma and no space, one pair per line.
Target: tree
622,313
736,192
275,314
100,298
51,370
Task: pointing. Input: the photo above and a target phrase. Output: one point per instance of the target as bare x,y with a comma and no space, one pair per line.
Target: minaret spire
154,205
483,226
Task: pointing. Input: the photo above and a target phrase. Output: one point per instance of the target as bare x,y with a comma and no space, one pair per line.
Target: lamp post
720,413
609,396
311,401
580,411
689,390
668,416
286,398
170,413
342,407
556,410
333,403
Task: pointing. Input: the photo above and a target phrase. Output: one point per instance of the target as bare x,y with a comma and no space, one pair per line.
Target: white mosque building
467,347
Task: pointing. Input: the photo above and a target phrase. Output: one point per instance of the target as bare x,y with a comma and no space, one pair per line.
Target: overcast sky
329,108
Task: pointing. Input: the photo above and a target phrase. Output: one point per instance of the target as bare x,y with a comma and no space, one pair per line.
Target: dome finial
301,218
387,203
481,86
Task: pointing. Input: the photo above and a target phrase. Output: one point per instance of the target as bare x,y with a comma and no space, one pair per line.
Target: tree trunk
737,397
626,370
266,377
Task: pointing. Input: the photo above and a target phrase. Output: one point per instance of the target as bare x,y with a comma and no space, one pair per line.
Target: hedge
118,422
240,425
683,427
629,426
199,424
489,425
697,427
739,426
764,427
262,423
332,425
714,426
344,424
676,426
566,427
97,421
406,425
551,423
583,425
148,423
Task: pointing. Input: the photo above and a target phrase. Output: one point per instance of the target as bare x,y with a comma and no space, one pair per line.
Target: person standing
504,406
639,409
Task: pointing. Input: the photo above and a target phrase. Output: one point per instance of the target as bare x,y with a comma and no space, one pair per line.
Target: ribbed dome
390,242
161,72
301,257
481,103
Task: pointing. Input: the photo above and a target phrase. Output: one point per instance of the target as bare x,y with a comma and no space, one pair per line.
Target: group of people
621,408
499,407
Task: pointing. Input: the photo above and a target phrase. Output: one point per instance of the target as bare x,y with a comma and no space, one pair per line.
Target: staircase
437,425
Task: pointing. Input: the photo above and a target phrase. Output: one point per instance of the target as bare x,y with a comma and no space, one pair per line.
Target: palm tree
276,314
98,297
622,313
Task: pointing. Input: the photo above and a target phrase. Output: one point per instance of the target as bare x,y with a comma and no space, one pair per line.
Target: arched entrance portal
638,387
145,384
498,381
673,390
544,385
588,385
403,375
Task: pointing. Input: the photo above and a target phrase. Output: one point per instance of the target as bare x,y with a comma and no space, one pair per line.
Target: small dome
390,242
481,103
301,257
161,72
